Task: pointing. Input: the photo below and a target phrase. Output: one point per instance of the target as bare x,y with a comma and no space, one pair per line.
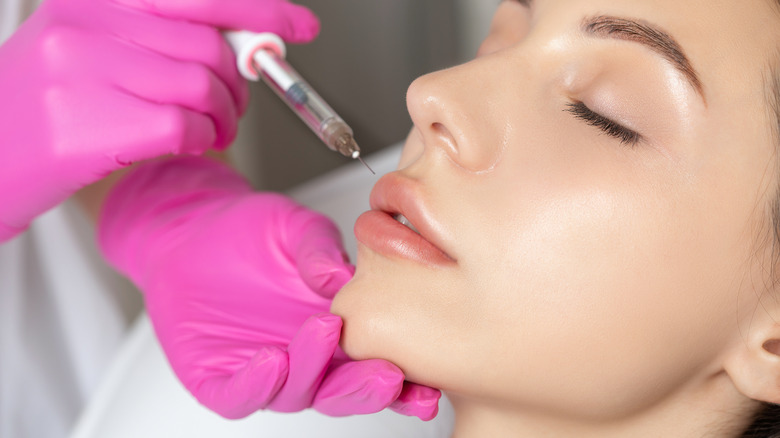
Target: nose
455,111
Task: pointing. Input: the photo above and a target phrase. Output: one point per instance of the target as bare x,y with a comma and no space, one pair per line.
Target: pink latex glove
238,285
89,86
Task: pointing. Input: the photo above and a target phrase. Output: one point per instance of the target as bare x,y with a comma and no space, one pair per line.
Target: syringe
261,55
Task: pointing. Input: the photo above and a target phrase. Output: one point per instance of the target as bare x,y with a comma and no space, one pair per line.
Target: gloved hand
89,86
238,285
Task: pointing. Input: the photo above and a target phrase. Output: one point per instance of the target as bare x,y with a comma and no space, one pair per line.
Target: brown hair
766,423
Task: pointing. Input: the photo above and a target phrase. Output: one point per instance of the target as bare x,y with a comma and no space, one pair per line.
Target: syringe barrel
301,98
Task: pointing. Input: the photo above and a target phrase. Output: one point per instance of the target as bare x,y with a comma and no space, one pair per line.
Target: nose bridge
455,110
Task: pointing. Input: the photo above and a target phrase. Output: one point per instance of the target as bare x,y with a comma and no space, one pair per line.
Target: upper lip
396,194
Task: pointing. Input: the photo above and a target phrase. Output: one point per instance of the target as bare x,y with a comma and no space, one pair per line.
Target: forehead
733,45
730,42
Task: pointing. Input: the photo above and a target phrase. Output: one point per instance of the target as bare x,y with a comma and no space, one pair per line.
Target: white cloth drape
63,315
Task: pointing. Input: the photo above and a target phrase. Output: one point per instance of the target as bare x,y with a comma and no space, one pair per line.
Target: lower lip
385,235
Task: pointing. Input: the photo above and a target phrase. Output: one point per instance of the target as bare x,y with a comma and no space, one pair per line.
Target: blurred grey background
367,54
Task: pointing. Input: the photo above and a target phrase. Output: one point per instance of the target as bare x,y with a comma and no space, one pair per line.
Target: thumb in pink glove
227,275
89,86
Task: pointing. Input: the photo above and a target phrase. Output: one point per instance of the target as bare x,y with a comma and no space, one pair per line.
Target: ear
754,365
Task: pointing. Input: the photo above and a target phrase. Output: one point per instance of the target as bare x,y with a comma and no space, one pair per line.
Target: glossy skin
589,287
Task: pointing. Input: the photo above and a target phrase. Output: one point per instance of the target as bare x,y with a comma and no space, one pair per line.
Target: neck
719,411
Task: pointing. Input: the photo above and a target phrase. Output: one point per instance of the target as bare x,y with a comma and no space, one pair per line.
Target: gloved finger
310,353
359,387
293,23
162,80
167,129
248,389
318,251
188,42
418,401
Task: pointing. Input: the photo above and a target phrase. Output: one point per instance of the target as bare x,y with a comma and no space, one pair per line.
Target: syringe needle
366,164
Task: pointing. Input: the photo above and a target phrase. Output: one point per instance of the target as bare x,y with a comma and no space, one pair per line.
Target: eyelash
626,136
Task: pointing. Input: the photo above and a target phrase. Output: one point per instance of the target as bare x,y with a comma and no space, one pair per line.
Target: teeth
402,219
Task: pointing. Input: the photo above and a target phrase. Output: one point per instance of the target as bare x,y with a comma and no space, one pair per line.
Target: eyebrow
604,26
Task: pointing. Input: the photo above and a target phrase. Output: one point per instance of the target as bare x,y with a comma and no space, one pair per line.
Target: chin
396,310
350,304
371,322
375,328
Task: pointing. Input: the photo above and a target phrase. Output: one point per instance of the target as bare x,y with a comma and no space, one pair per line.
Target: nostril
440,129
445,136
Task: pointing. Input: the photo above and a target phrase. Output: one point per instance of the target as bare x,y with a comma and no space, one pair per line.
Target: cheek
591,294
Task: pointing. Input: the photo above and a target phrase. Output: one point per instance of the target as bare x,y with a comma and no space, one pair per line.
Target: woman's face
592,198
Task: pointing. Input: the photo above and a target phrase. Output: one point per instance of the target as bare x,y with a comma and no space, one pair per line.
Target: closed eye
613,129
526,3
